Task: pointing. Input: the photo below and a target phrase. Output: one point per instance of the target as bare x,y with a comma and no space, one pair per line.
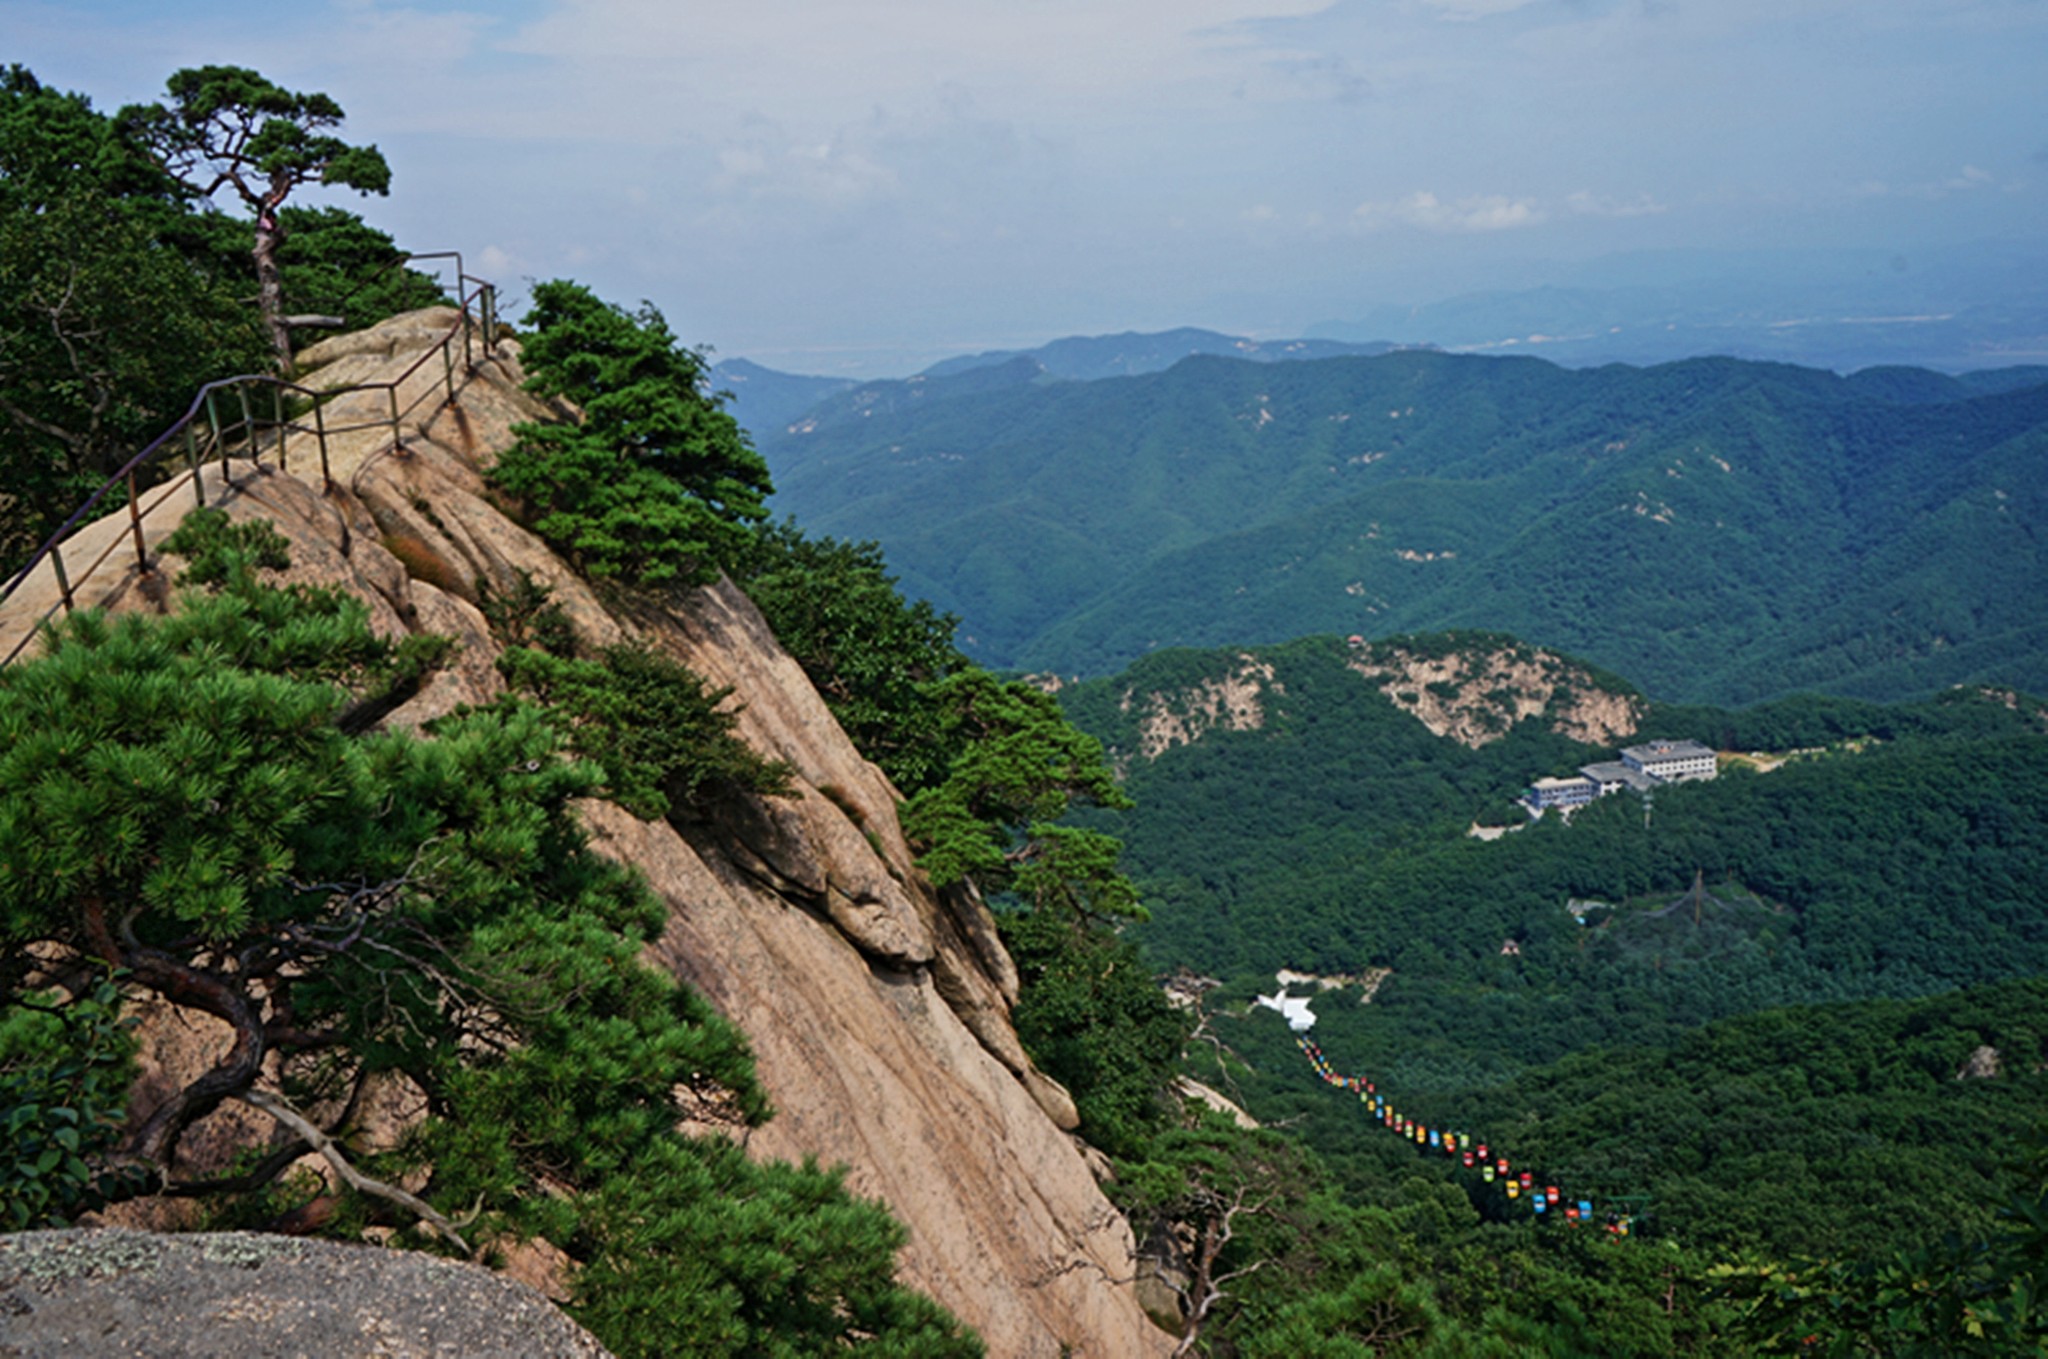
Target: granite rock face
877,1007
240,1295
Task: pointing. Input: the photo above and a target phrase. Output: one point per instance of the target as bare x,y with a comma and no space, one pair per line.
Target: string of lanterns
1492,1165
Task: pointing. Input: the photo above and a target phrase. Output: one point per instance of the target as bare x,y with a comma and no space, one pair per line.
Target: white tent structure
1293,1009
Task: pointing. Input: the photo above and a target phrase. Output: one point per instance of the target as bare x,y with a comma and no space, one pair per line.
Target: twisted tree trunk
270,281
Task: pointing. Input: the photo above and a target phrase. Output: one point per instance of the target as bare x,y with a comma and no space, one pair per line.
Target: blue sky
862,186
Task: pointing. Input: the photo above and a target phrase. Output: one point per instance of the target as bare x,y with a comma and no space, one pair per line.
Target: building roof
1665,750
1614,771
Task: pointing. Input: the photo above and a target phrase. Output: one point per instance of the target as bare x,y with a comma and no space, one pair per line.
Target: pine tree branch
322,1143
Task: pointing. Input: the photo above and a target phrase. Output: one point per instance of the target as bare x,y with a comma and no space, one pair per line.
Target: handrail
203,415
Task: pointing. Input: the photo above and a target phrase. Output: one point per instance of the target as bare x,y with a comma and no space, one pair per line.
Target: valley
1331,619
1662,1000
1719,531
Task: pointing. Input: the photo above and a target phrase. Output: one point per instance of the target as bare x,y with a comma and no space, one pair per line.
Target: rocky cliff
878,1008
1473,692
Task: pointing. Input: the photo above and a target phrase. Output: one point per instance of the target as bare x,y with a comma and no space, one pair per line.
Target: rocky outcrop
1984,1063
238,1295
1475,694
1231,702
878,1008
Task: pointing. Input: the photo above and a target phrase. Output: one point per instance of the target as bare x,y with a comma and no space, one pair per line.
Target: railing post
248,420
192,462
490,311
448,363
284,429
320,437
397,439
63,581
135,522
213,428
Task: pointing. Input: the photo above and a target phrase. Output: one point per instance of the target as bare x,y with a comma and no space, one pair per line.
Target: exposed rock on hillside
1475,694
1984,1063
1231,702
238,1295
878,1009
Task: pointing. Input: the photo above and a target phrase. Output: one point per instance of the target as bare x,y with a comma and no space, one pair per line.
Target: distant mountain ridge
767,402
1720,530
1085,358
763,400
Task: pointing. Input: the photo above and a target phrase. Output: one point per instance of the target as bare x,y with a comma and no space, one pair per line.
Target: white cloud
1477,212
1474,9
1586,204
1969,179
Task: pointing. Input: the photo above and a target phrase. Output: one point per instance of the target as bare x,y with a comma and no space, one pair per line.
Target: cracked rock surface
240,1295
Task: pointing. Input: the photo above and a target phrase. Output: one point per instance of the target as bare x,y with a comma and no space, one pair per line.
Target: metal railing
203,435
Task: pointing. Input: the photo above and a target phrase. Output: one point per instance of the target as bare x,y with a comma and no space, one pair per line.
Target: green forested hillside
1332,838
1773,979
1719,531
1818,1130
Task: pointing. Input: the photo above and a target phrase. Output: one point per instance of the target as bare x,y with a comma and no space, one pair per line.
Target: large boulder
239,1295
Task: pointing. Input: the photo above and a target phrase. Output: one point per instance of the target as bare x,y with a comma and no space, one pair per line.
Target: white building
1562,793
1670,761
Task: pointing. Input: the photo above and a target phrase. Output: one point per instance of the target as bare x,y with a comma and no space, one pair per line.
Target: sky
860,187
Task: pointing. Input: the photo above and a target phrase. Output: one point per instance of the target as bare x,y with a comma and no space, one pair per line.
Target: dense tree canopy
105,330
652,481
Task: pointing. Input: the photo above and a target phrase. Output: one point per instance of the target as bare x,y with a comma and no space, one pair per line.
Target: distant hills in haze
1957,308
1719,530
767,402
1084,358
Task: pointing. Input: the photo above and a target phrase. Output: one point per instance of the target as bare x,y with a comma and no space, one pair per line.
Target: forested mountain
762,399
1320,816
767,402
1591,994
1719,531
